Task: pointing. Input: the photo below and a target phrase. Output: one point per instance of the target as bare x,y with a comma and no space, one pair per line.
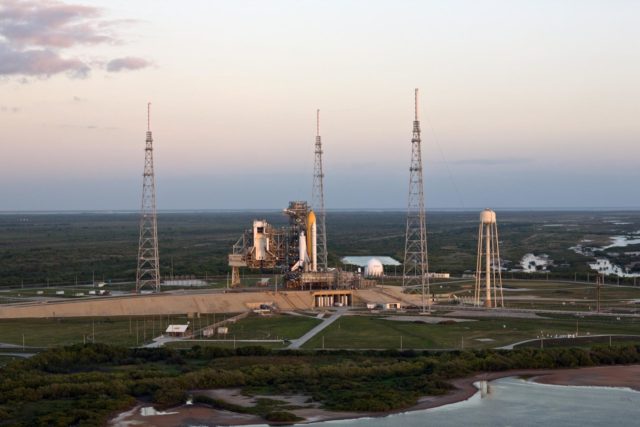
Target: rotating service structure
291,250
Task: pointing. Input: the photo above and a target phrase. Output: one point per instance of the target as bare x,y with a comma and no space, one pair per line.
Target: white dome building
374,268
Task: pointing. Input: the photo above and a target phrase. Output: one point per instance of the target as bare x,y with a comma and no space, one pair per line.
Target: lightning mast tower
317,200
148,272
415,266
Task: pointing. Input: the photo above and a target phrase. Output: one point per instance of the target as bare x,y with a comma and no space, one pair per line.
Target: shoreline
627,376
594,376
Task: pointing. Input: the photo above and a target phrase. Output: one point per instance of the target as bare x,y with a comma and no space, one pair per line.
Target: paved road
161,340
578,338
313,332
24,355
7,345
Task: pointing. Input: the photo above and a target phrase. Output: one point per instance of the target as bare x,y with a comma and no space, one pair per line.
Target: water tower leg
487,237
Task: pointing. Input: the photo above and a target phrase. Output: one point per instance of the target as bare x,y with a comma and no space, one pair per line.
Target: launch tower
415,266
148,271
317,200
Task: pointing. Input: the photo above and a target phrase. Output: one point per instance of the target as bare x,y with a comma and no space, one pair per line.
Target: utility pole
148,271
598,287
415,267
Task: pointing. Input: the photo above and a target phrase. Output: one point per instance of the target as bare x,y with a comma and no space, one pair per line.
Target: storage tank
488,216
374,268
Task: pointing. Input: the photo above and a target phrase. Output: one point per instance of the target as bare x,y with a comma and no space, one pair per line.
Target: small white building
177,330
439,275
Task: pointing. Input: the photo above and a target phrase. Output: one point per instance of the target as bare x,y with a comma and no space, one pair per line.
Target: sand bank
608,376
603,376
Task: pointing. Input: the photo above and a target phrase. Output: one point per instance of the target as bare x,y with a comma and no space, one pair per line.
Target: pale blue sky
531,103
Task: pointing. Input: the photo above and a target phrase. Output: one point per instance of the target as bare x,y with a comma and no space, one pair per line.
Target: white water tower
488,262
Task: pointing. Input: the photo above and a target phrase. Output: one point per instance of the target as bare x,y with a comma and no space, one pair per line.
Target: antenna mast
317,200
416,267
148,271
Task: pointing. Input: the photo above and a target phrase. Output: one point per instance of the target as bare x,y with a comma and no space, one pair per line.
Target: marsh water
517,402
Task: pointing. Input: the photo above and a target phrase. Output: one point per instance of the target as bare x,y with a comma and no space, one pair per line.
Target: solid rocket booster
302,250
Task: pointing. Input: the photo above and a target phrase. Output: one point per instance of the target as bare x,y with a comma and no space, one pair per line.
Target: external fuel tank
312,237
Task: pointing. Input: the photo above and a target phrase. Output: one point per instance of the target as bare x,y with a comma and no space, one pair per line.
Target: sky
523,104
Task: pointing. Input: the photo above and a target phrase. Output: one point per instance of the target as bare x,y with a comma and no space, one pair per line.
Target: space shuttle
307,246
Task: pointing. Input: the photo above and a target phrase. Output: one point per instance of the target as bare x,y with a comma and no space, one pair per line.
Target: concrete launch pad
170,303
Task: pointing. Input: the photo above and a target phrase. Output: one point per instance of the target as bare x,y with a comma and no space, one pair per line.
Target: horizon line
233,210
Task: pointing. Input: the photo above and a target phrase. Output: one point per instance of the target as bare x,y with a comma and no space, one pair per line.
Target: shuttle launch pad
290,250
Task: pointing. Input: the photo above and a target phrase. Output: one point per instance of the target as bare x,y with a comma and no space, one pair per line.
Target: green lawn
375,332
138,330
126,331
271,327
224,344
553,295
582,342
277,327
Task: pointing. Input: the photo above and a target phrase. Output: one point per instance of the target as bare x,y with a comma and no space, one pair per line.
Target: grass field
554,295
277,327
272,327
229,343
349,332
358,332
139,330
581,342
64,331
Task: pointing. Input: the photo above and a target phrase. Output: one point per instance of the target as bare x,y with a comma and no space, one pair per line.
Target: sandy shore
608,376
605,376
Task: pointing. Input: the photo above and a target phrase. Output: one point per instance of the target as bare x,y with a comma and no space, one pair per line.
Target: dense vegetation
86,384
59,248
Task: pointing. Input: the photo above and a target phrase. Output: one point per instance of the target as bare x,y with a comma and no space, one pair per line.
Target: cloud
128,63
38,62
50,23
36,37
